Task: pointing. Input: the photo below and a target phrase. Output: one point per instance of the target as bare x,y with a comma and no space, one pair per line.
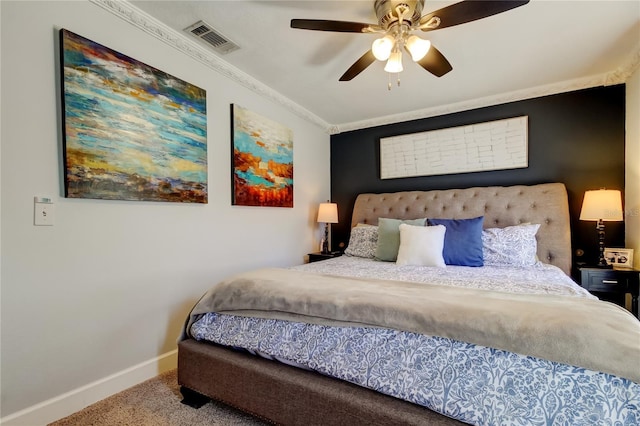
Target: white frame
492,145
620,257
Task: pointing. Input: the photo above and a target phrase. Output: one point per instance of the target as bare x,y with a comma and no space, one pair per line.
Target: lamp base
599,266
325,240
602,263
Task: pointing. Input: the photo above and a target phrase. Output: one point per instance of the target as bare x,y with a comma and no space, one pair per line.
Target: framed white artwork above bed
492,145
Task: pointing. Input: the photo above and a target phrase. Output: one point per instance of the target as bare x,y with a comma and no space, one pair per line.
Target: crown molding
136,17
126,11
501,98
626,70
618,76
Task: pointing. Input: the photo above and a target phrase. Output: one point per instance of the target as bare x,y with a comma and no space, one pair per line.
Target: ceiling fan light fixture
417,47
394,64
382,47
397,19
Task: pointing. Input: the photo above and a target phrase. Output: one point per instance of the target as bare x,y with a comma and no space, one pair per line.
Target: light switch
43,211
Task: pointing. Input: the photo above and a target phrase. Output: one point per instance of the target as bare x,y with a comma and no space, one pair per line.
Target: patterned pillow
510,246
363,242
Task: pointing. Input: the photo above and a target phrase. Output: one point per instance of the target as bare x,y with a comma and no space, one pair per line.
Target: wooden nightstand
612,284
316,257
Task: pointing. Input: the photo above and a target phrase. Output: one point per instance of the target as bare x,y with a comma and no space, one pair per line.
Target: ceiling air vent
213,38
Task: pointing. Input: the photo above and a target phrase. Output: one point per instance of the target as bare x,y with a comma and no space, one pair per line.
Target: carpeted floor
155,402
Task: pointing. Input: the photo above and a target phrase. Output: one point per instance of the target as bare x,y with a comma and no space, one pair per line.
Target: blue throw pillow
462,241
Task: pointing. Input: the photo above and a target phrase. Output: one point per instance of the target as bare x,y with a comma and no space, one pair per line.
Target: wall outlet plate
43,211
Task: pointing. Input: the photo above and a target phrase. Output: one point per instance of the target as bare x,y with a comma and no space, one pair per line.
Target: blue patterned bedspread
471,383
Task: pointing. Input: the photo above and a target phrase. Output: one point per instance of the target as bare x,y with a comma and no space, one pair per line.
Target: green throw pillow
389,237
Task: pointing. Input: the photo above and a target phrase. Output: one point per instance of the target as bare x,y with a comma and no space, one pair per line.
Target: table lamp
602,205
327,213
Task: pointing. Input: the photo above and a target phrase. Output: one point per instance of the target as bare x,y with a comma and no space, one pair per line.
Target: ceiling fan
397,19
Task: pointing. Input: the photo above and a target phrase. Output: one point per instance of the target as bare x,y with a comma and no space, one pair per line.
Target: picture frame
130,131
261,160
619,257
491,145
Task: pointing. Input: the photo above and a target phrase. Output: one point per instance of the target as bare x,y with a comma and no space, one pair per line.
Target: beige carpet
155,402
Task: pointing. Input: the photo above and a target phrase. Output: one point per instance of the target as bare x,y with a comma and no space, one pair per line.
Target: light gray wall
109,285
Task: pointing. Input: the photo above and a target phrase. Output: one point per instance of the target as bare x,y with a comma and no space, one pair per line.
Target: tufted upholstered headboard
501,206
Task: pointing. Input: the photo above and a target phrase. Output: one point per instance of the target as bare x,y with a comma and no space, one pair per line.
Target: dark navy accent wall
576,138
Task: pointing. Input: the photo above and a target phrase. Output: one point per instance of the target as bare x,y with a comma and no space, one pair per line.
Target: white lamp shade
382,47
394,64
605,204
328,213
417,47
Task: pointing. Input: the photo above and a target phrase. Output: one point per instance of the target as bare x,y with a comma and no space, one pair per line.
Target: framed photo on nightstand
620,257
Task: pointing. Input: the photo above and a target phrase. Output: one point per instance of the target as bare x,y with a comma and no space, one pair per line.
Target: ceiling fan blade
359,66
324,25
435,62
469,10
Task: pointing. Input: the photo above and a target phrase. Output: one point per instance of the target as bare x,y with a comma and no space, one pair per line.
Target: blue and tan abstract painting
262,161
131,131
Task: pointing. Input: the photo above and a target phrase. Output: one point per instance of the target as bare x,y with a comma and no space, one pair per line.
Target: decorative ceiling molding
618,76
626,70
175,39
150,25
503,98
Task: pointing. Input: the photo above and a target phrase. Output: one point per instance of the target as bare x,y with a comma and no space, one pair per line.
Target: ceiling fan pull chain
389,83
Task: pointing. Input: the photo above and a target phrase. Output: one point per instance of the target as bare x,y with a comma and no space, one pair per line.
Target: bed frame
282,394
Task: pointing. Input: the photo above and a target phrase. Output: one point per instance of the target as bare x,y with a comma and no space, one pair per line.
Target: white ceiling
546,46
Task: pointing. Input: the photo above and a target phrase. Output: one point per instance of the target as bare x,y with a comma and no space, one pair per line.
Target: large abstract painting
262,160
131,131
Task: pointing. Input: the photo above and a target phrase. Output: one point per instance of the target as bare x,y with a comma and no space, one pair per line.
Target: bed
446,329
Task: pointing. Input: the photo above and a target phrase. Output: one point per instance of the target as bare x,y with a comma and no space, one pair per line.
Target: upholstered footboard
287,395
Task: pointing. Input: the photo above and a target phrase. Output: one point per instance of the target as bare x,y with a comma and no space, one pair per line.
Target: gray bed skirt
287,395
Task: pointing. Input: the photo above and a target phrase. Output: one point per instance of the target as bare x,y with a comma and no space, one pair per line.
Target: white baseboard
77,399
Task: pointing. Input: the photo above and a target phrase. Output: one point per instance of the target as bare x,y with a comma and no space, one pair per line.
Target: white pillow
421,245
510,246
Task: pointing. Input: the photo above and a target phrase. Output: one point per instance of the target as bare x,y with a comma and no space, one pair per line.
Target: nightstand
612,284
316,257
